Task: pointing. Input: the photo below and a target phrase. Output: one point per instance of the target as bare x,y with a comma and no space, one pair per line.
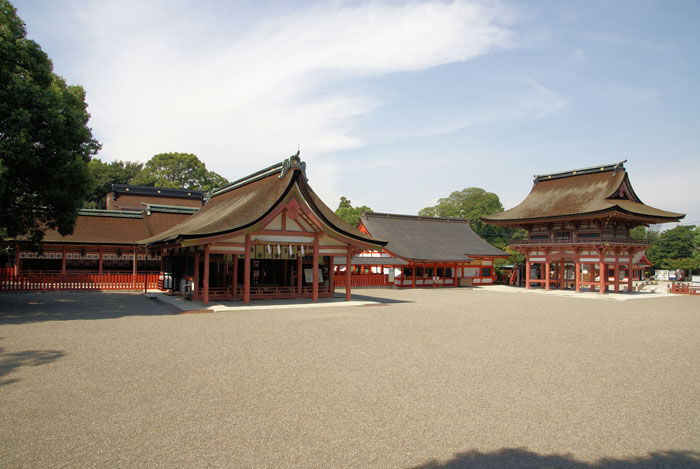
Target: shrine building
427,251
578,225
267,235
106,241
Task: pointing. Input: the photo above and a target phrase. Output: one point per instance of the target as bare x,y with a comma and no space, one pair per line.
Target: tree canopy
45,143
104,175
678,248
349,213
471,204
178,170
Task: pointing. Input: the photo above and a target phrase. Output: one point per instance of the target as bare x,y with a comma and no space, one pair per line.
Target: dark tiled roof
592,191
426,238
116,227
244,203
126,189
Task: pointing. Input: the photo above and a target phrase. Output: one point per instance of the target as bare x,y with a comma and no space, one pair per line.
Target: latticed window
563,237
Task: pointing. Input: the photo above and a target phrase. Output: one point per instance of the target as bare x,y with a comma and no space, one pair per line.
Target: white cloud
164,76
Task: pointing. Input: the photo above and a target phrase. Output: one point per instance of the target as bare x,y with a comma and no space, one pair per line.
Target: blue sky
394,104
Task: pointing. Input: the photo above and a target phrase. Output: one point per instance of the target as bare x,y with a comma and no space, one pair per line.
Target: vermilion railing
78,281
362,280
684,289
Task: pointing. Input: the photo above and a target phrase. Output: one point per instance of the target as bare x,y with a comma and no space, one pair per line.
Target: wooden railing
362,280
78,281
684,289
580,241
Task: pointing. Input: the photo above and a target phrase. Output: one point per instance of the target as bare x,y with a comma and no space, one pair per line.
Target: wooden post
234,281
577,273
413,269
300,280
205,286
246,271
314,288
617,272
602,272
348,273
547,271
17,260
528,285
331,279
195,287
133,275
63,259
100,263
630,271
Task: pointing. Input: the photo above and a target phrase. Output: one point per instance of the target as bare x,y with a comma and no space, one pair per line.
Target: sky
393,104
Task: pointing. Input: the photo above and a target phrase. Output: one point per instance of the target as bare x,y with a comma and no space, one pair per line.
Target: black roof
428,238
118,189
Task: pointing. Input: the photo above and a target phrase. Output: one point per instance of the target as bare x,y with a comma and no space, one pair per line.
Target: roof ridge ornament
294,162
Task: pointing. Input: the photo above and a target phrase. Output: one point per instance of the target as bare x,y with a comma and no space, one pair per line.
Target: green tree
178,170
471,204
349,213
675,247
45,144
104,175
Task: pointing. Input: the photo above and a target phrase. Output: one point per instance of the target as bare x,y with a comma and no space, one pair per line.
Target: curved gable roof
589,191
244,203
427,238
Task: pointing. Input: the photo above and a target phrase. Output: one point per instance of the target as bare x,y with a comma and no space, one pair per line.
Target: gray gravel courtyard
448,378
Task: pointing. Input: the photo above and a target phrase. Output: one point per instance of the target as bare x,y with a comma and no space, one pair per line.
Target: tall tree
471,204
349,213
45,143
675,249
178,170
104,175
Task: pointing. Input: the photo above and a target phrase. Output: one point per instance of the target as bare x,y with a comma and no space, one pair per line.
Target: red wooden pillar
454,275
100,263
235,276
133,274
246,271
577,273
63,259
602,273
17,260
205,286
300,280
331,279
527,273
314,287
413,269
547,271
195,287
348,273
630,271
617,272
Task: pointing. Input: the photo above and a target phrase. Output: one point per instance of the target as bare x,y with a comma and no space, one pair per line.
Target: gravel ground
447,378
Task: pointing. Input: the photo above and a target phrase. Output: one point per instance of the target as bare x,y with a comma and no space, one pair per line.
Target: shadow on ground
21,308
522,458
10,362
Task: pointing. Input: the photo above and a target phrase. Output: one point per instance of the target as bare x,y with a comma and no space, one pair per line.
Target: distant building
578,225
106,241
428,251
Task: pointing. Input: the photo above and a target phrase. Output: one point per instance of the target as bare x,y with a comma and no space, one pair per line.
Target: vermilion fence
685,289
78,281
362,280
